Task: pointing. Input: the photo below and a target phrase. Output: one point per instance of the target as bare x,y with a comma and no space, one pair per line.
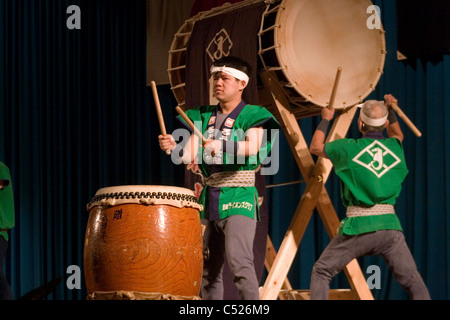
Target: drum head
316,37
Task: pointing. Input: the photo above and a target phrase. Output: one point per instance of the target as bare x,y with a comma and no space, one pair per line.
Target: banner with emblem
232,33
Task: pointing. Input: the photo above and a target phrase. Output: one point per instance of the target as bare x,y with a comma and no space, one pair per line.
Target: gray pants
389,244
233,236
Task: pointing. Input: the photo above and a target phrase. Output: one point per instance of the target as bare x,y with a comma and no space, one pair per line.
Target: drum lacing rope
145,195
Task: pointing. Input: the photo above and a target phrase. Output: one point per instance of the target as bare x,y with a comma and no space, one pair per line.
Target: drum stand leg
270,258
314,196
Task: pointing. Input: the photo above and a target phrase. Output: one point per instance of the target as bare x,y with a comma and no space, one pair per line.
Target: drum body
145,240
302,43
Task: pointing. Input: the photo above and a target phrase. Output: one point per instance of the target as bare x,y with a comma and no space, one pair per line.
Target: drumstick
333,93
190,123
159,112
406,119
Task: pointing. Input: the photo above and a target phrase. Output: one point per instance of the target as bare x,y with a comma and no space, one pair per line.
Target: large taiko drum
143,242
302,43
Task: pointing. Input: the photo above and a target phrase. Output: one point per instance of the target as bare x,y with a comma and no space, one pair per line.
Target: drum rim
146,195
136,295
135,188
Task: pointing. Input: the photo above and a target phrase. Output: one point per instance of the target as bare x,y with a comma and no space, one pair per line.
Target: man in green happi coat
238,139
371,170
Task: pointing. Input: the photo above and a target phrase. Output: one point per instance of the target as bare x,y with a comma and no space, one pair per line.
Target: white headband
232,72
369,121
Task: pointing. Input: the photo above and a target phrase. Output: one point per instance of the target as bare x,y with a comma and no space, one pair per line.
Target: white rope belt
231,179
378,209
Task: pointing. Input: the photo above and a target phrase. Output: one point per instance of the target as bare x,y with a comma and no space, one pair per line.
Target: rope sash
233,179
378,209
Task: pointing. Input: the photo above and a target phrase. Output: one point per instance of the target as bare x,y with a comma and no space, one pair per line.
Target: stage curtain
76,116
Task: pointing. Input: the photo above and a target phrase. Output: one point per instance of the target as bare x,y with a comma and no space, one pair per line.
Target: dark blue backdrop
76,116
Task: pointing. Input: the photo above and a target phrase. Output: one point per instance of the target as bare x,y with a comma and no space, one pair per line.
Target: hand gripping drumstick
406,119
190,124
159,112
333,93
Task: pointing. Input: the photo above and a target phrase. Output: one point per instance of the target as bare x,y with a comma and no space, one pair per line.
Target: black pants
6,292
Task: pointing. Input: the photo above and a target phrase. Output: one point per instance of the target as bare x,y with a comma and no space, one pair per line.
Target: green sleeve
336,151
6,202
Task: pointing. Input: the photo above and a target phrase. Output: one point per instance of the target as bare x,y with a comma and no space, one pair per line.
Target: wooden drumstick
159,112
333,93
190,124
408,122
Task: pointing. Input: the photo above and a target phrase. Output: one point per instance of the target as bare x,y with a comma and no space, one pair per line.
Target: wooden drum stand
314,196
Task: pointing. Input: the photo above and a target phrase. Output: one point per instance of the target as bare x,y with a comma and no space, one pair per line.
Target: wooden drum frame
143,242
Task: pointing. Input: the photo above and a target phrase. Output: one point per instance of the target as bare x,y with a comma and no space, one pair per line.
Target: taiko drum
301,44
144,239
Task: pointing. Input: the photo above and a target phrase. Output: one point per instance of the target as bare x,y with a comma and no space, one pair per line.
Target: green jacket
371,172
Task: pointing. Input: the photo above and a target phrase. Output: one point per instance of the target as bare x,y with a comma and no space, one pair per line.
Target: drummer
228,162
372,170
